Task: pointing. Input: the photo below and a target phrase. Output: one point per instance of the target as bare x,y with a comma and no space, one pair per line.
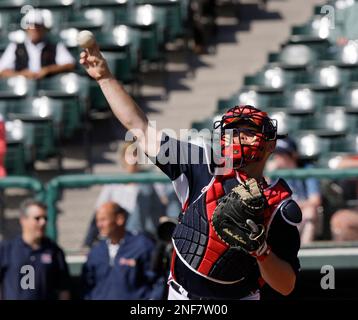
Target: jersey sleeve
183,163
284,240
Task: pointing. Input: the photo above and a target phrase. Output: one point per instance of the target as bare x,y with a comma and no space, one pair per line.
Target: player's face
35,222
245,134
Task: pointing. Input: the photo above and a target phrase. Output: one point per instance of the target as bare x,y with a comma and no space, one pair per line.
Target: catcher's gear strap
215,247
291,212
275,195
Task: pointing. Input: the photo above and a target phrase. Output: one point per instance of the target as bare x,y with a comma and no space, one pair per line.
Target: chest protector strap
196,242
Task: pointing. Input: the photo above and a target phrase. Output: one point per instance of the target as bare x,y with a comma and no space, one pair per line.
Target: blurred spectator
38,56
346,23
202,15
344,222
305,192
33,267
119,266
140,200
164,249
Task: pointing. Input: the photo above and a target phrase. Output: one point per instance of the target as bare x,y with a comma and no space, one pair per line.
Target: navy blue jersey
129,277
190,179
49,265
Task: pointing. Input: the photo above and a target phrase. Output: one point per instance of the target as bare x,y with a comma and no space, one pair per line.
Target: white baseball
85,39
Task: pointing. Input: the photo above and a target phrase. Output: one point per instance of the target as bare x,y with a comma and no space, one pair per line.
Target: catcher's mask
251,121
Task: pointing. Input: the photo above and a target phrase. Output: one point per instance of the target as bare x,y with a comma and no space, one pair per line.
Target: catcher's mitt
238,219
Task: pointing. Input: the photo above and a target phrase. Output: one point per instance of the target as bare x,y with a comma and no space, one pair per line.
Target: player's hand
94,63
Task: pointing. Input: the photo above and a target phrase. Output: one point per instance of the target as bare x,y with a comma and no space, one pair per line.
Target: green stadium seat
225,104
73,90
21,139
42,116
174,16
120,64
37,108
262,100
15,157
13,4
205,124
124,42
331,123
272,78
302,101
347,98
286,124
317,31
295,56
325,78
310,146
120,9
343,56
150,21
91,18
16,87
347,144
61,5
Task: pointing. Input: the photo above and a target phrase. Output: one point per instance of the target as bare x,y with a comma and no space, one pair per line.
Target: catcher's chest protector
197,244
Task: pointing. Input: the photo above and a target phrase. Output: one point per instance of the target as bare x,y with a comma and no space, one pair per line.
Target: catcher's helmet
257,123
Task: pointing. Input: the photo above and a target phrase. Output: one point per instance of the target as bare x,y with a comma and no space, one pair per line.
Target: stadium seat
343,56
122,47
174,16
317,30
16,87
286,124
13,4
73,90
91,18
347,98
61,5
37,107
348,144
272,79
322,78
302,100
21,137
310,146
150,21
15,157
225,104
331,123
295,56
120,9
263,100
43,117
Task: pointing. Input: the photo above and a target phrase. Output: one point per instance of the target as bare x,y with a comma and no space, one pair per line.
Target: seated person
119,266
344,222
38,56
305,192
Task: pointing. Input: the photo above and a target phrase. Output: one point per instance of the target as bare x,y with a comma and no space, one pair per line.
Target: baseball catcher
237,235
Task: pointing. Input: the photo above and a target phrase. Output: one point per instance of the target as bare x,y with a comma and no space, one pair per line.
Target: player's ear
271,145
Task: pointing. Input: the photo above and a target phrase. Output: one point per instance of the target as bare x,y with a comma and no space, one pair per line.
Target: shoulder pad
291,212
